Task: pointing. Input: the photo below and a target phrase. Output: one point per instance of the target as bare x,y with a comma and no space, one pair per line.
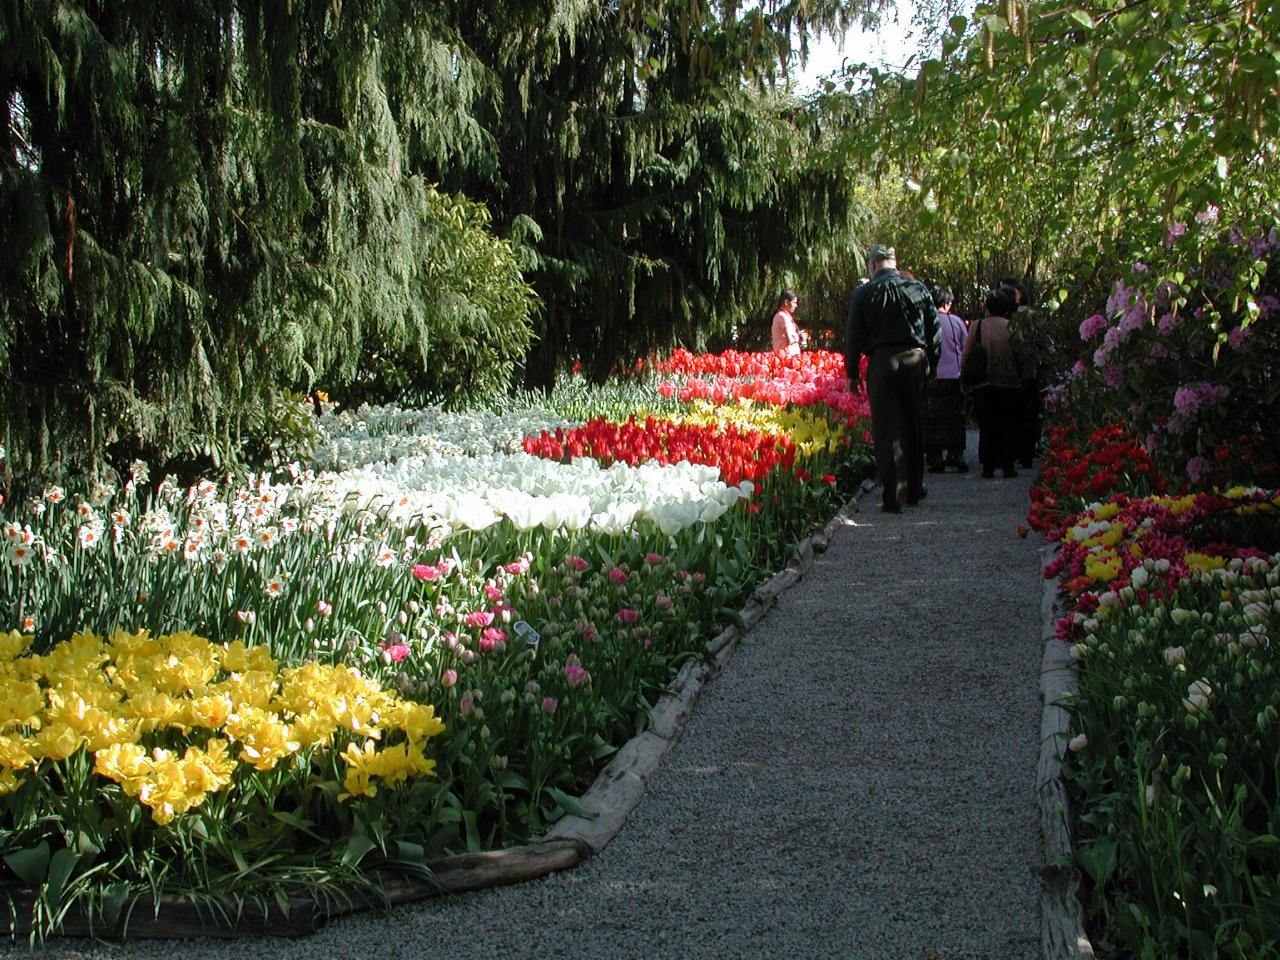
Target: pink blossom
627,615
1140,267
518,566
1093,326
1197,467
422,571
397,651
324,608
618,575
478,618
446,566
1237,338
449,677
654,559
1113,374
576,562
576,674
1166,323
1120,298
492,639
492,592
667,388
1208,216
549,704
1176,230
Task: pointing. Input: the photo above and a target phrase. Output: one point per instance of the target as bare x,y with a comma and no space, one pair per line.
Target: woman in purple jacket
944,412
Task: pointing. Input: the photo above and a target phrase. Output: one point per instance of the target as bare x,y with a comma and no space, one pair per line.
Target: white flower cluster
387,434
475,492
359,511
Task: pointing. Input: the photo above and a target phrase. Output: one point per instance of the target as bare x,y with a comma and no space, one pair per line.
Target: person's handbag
973,370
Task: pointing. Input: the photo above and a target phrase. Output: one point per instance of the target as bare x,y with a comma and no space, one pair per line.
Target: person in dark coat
892,320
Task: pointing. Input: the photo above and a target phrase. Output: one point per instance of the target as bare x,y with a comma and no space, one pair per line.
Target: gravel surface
858,783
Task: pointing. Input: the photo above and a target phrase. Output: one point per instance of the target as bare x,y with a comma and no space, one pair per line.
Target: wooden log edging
616,791
1062,931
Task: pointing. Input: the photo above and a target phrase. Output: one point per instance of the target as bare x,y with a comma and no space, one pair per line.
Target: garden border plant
575,837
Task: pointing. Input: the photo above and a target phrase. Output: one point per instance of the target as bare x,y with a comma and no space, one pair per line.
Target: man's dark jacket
891,310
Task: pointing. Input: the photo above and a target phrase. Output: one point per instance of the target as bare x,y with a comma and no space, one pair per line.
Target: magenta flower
1197,467
422,571
518,566
397,651
549,704
618,575
576,674
627,615
492,592
654,559
449,678
576,562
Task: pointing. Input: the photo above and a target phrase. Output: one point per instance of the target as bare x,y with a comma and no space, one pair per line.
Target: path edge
1062,932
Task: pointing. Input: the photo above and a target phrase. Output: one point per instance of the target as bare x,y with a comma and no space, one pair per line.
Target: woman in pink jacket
786,335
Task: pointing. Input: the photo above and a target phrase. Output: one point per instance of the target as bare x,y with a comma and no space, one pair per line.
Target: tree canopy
211,202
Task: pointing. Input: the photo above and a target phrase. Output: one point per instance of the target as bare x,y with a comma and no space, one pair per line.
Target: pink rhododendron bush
425,640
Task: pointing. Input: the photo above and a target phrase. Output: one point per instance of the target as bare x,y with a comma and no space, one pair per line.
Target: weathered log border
616,791
1062,932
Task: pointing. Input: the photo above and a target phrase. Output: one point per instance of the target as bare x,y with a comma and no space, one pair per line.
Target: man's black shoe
913,500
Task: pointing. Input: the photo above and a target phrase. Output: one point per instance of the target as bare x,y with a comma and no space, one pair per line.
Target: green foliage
1061,138
658,188
217,201
1175,790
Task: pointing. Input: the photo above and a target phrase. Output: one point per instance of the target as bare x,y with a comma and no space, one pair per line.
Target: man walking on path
893,321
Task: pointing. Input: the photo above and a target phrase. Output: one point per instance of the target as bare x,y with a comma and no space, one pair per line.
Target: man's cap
879,252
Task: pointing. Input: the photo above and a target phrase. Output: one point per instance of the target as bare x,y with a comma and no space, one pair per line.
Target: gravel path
859,783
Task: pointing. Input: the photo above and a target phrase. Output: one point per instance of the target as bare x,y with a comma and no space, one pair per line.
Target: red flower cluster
1079,470
737,364
740,454
816,377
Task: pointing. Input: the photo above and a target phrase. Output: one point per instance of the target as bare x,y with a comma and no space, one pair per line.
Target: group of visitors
923,366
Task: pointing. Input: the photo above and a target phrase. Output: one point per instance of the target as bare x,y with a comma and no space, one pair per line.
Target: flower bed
1173,765
1172,606
493,623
